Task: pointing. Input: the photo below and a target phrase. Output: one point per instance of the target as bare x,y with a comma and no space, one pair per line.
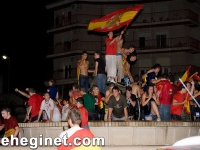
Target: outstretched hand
16,90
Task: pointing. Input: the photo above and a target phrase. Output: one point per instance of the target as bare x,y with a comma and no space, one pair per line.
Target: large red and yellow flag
185,77
114,20
197,78
186,106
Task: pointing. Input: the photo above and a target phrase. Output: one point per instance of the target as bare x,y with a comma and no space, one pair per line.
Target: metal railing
174,15
167,16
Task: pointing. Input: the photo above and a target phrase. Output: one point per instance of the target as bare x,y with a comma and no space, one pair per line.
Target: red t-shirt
35,101
10,125
84,116
174,91
177,110
111,49
164,87
83,133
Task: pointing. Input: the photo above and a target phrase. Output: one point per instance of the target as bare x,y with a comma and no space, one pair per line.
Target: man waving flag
114,20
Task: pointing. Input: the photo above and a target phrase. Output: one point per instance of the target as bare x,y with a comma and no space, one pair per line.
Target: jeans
86,127
92,115
119,119
175,117
127,80
101,83
84,82
164,111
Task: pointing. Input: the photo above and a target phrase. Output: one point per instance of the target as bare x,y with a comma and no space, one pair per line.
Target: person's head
75,87
97,54
51,82
84,55
70,93
79,102
182,89
83,90
111,85
136,78
46,96
172,78
31,91
150,90
74,117
95,89
65,101
131,48
157,68
188,85
115,91
164,76
128,91
132,57
110,34
6,113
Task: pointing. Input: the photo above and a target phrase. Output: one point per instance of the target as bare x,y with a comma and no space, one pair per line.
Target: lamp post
8,58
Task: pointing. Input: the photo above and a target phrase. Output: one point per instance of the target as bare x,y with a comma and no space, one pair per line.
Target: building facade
165,32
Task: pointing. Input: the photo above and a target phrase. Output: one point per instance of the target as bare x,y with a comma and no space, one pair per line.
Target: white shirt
65,111
48,106
70,132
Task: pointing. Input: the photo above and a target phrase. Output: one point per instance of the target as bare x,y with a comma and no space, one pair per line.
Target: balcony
187,44
186,17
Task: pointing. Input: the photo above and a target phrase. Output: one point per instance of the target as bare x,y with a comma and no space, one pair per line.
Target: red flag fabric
114,20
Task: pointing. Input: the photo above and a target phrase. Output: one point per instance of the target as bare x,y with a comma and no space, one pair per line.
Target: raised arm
22,93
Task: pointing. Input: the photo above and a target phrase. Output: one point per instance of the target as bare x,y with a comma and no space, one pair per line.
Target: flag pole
189,92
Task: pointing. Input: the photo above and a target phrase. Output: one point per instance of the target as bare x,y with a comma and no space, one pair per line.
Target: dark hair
165,75
84,52
66,100
46,93
94,86
181,87
151,85
111,84
115,88
128,88
31,90
171,78
6,109
136,78
131,46
98,53
80,100
76,86
83,89
156,66
75,116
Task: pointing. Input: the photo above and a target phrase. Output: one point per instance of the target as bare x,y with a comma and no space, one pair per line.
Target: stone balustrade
121,135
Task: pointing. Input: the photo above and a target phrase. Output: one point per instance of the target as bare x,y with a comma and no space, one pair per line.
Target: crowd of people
158,98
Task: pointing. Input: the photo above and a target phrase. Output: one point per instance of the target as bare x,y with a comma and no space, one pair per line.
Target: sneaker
158,119
112,81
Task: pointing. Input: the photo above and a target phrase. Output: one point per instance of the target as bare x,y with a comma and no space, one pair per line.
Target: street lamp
8,58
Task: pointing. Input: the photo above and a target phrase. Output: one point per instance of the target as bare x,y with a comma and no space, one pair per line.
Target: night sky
25,41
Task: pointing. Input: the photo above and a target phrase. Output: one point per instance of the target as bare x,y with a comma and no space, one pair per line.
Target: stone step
103,148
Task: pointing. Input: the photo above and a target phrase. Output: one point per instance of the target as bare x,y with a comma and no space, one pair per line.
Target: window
68,70
142,42
161,40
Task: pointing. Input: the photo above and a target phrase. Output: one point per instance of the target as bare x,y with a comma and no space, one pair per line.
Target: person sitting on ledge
117,106
74,119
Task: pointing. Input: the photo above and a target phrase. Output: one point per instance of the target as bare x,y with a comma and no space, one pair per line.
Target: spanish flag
186,106
114,20
185,77
78,72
